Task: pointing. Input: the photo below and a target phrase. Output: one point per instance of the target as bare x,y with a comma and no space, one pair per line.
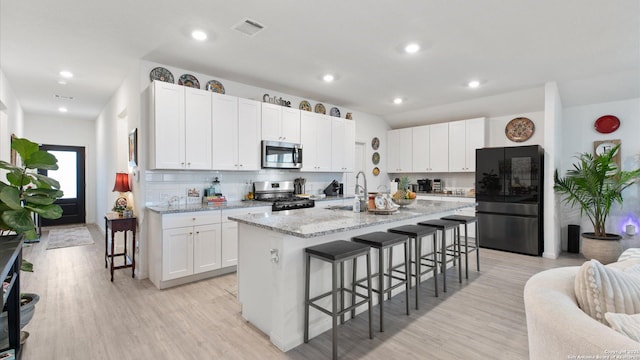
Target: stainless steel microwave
281,155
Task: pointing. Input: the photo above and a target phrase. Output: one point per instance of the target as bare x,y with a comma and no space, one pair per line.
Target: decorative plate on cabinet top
376,171
519,129
215,86
607,124
375,143
320,109
189,81
161,74
334,112
305,105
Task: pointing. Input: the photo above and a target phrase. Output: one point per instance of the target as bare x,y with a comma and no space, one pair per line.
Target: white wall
496,136
552,148
11,117
580,133
72,132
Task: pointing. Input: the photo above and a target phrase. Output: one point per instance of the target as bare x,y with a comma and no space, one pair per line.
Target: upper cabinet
180,127
400,150
430,148
465,137
316,140
280,123
343,144
249,120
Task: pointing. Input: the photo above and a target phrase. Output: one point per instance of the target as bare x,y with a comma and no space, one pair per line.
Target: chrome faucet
364,200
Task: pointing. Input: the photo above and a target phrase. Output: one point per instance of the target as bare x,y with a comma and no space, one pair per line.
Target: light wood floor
82,315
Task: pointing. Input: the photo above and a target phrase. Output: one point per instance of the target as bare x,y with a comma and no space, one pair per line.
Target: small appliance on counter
424,185
332,189
437,185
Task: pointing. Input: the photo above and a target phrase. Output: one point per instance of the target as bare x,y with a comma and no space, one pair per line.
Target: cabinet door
249,114
229,244
349,145
271,121
206,248
309,141
405,156
197,129
439,147
393,151
337,144
168,123
290,127
225,131
324,142
420,147
177,253
457,146
475,140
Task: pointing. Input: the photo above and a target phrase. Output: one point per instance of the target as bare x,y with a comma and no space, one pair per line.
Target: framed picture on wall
133,148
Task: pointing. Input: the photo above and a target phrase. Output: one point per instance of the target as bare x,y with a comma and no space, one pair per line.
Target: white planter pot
605,251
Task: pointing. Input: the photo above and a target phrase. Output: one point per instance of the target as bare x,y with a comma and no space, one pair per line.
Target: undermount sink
340,207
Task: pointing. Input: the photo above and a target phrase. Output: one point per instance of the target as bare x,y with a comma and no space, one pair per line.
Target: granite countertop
166,209
307,223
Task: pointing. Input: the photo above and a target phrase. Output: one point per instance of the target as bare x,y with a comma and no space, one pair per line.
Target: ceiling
591,48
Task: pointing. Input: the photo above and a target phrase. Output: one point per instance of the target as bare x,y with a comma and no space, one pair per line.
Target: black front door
71,176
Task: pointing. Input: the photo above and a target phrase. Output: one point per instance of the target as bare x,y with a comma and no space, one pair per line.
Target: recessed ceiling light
397,101
412,48
328,78
62,109
66,74
62,82
199,35
473,84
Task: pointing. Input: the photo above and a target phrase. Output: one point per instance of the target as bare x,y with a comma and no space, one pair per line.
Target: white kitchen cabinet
184,247
230,233
280,123
181,127
224,110
400,150
236,133
249,114
465,137
430,148
343,137
316,140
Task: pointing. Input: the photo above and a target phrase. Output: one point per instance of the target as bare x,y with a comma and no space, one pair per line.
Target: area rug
66,237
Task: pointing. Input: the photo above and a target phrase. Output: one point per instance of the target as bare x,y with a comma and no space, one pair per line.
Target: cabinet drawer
244,211
190,219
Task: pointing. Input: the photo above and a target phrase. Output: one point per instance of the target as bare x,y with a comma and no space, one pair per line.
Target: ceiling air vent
63,97
248,27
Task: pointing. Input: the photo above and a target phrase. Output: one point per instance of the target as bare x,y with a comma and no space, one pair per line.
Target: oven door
281,155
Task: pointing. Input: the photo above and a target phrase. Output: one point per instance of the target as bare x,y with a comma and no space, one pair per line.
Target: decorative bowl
403,202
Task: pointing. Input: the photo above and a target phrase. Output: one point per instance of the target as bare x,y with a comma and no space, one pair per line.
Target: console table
116,223
10,262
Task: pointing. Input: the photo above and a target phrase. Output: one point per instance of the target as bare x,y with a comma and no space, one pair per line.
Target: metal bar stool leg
389,271
466,252
370,295
353,286
435,261
306,298
417,252
342,291
444,261
381,286
334,307
407,272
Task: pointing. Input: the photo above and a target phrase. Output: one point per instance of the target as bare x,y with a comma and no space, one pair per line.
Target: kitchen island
271,261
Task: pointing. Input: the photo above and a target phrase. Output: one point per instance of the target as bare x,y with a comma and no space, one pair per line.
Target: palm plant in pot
24,193
595,184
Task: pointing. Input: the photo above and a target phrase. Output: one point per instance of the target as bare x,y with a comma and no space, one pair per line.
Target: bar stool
443,226
465,220
383,240
417,232
337,252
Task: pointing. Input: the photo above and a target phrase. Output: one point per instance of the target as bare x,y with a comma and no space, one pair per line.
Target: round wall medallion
519,129
607,124
375,143
375,158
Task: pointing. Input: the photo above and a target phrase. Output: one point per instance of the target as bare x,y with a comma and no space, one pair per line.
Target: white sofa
559,329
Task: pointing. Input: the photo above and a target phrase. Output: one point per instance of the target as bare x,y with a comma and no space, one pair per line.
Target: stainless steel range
280,194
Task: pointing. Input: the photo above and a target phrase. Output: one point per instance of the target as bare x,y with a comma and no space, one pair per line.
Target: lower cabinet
190,250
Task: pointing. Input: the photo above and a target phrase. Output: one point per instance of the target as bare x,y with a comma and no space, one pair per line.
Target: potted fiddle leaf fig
595,184
24,192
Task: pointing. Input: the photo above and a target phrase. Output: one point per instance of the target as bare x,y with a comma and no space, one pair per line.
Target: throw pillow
600,289
631,253
628,325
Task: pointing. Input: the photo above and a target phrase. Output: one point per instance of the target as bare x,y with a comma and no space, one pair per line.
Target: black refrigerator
509,193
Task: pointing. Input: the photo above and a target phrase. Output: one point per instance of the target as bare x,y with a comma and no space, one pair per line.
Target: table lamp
122,186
